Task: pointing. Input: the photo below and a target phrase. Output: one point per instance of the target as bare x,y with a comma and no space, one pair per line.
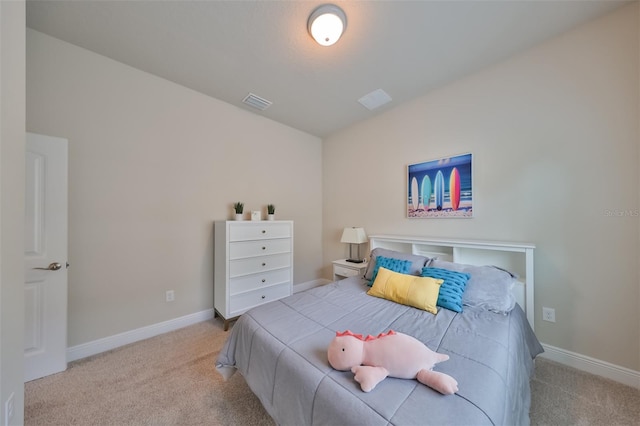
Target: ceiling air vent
257,102
375,99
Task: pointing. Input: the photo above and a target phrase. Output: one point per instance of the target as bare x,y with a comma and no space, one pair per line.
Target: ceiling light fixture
326,24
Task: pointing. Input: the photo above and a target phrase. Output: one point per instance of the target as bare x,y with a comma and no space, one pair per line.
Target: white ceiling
227,49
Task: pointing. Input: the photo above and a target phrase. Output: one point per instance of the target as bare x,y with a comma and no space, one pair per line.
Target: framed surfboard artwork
441,188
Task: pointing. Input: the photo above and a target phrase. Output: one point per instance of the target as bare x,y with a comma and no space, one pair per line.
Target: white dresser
253,265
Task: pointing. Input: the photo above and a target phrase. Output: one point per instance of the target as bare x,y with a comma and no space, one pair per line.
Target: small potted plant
239,208
271,211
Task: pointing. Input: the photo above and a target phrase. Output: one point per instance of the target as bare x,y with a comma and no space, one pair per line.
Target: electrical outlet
8,410
170,296
549,314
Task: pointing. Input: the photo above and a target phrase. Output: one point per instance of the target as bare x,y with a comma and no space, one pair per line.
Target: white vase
238,216
271,217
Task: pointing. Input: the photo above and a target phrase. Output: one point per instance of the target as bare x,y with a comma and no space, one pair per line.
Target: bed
281,347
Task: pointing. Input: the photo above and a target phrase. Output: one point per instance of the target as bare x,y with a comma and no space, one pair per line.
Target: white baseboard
591,365
310,284
101,345
105,344
581,362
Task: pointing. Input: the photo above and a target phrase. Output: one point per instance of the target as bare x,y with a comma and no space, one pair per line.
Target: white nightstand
343,269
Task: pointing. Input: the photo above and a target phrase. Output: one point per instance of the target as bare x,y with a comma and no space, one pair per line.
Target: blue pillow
392,264
451,290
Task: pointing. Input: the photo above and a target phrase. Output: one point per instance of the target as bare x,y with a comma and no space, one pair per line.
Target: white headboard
514,257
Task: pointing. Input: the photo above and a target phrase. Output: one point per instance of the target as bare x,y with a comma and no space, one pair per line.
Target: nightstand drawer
253,265
258,231
345,272
256,281
240,303
243,249
343,269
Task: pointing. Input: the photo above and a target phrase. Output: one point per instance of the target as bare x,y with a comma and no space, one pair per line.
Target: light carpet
171,380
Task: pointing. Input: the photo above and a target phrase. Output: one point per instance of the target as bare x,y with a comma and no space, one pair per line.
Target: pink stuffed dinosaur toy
392,354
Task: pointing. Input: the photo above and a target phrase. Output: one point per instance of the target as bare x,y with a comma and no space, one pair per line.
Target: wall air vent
257,102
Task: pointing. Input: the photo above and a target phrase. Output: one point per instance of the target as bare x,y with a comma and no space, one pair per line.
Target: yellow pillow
410,290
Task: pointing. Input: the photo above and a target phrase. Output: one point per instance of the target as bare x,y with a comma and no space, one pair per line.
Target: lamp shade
353,236
326,24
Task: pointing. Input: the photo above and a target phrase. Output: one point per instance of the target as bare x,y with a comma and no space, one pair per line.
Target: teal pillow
451,290
392,264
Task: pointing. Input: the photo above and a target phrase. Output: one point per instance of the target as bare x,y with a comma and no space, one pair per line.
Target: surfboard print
454,188
414,193
426,192
438,190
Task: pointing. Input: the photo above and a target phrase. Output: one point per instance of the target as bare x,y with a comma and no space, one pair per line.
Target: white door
45,253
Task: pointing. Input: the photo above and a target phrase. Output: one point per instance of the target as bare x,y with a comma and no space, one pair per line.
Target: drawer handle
264,231
264,264
264,248
263,280
263,296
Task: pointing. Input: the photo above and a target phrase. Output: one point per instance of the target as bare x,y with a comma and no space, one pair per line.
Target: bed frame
514,257
280,348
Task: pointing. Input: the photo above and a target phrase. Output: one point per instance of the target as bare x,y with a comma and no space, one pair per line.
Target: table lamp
354,236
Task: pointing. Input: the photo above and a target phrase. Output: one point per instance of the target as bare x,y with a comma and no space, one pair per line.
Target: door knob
52,267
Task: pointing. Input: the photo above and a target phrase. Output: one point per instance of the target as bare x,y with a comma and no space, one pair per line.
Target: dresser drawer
240,303
254,265
242,249
258,231
255,281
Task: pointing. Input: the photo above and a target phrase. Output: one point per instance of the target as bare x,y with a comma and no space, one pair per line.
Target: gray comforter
281,350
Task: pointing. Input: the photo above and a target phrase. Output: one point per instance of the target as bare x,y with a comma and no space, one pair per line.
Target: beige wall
151,165
12,145
554,133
